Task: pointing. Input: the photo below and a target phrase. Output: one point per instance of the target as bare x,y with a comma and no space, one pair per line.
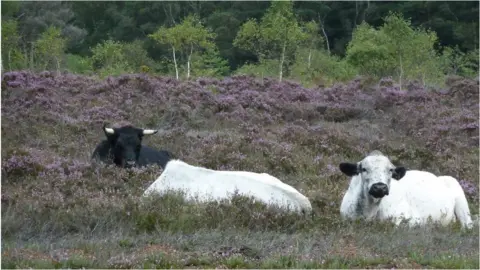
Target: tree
136,56
209,64
395,49
195,38
171,37
412,48
368,52
188,37
50,47
109,58
275,37
400,36
456,62
37,16
312,41
10,42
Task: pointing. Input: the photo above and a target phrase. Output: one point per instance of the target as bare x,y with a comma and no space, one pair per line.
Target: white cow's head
376,172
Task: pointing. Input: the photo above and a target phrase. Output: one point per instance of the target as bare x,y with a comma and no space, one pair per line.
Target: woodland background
311,42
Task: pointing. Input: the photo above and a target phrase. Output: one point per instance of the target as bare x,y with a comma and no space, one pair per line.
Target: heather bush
52,196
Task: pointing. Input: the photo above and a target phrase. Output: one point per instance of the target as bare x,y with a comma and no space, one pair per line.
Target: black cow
123,147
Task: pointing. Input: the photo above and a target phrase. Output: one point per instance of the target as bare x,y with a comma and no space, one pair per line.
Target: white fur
210,185
149,131
418,196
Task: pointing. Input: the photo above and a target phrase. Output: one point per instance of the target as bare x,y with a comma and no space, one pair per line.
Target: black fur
350,169
126,145
399,172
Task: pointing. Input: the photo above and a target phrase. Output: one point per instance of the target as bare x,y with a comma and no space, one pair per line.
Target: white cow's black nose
378,190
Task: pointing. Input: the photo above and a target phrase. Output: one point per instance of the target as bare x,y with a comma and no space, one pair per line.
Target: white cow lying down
211,185
414,195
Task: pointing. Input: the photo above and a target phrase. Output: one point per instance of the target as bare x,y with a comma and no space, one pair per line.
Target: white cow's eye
364,170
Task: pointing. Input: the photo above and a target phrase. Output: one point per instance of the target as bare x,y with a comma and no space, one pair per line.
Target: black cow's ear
349,169
399,172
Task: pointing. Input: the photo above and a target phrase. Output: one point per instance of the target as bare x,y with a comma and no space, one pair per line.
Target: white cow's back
419,195
207,185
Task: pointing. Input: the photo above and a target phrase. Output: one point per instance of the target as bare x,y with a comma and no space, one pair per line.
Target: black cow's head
125,143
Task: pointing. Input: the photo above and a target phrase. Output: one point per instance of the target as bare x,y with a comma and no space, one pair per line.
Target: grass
59,211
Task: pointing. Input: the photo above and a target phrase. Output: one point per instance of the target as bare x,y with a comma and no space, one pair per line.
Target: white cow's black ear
399,172
349,169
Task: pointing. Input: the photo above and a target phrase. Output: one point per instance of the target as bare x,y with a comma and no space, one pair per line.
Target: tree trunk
31,55
9,60
282,60
401,72
326,38
175,62
25,54
58,65
188,61
309,59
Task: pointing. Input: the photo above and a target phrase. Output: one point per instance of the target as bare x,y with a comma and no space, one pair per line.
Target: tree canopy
272,37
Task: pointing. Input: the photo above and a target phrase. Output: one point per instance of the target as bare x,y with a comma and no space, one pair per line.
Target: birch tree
50,47
195,38
172,38
277,36
11,54
188,37
313,40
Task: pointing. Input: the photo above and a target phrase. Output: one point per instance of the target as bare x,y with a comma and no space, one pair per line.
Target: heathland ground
59,211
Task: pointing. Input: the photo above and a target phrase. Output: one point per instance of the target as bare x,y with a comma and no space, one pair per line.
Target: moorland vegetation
296,112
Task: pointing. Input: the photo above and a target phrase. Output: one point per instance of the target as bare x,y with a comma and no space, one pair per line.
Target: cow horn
149,131
109,130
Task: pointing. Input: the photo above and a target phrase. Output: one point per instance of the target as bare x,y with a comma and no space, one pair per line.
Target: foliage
50,48
248,37
368,51
325,69
264,68
209,64
324,25
109,58
12,58
458,63
77,64
136,56
188,37
86,24
171,37
195,38
395,49
414,49
277,36
313,40
37,17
